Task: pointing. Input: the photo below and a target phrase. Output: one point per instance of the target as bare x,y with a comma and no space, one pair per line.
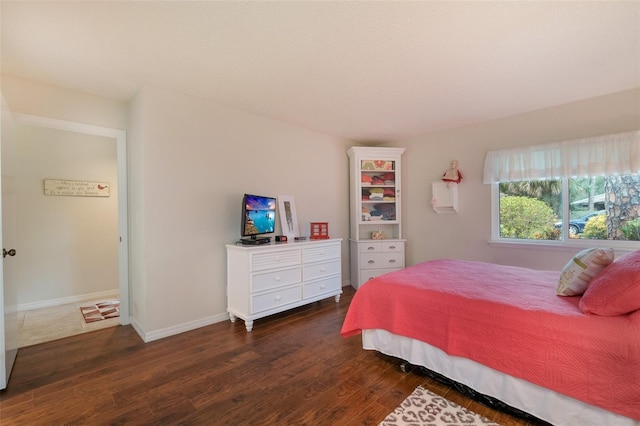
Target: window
530,210
596,208
537,196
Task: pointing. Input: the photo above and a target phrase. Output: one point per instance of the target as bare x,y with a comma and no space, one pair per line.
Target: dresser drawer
318,254
318,270
381,260
279,259
367,274
269,280
319,287
381,246
392,246
274,299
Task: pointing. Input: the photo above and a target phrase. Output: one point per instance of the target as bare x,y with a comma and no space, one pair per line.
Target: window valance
614,154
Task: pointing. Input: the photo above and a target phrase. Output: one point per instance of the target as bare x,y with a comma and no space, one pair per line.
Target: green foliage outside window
525,217
631,230
596,228
535,209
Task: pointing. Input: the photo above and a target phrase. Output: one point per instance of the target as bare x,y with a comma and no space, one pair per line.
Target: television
258,218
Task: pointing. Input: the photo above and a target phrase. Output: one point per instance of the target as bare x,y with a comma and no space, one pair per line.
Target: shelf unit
445,197
376,243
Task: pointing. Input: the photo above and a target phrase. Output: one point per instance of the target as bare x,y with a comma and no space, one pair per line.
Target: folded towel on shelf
376,194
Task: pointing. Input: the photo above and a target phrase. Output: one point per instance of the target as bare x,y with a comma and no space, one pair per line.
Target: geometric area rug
101,311
424,407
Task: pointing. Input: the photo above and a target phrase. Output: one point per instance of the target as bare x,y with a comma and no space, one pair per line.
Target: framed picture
288,216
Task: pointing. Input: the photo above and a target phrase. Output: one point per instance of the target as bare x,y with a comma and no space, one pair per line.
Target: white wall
465,235
68,246
29,97
191,162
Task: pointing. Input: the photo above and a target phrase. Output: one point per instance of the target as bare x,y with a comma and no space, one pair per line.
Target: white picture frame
288,216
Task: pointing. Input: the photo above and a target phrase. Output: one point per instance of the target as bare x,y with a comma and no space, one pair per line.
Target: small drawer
318,254
319,270
392,246
279,259
319,287
369,247
381,260
367,274
269,280
274,299
381,246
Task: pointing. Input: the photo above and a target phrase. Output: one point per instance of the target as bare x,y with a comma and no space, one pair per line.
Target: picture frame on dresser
288,216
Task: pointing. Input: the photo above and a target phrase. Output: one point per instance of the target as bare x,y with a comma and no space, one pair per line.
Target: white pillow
582,267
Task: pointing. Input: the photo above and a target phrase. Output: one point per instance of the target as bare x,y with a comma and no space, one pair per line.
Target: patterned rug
425,408
101,311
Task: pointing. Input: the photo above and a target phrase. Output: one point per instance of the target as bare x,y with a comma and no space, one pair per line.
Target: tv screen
258,215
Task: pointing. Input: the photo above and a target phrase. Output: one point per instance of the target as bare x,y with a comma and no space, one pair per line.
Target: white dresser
375,258
271,278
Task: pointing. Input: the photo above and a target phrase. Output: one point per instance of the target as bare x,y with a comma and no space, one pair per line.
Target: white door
9,332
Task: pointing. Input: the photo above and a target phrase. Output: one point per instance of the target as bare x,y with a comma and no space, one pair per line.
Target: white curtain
616,154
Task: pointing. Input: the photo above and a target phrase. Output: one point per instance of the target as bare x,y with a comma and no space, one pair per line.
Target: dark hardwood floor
292,369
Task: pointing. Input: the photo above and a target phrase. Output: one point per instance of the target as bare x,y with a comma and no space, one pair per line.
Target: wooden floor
292,369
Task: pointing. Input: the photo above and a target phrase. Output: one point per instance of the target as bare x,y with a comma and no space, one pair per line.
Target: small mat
101,311
424,407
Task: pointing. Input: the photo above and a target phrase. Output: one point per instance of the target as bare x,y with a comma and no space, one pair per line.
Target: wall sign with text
76,188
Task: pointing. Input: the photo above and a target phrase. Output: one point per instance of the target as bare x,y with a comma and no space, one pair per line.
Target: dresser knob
322,269
371,248
278,298
371,262
322,287
392,261
278,279
392,247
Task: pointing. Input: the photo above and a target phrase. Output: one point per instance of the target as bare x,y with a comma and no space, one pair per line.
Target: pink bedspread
509,319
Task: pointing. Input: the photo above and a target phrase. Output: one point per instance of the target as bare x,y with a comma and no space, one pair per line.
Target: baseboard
177,329
67,300
188,326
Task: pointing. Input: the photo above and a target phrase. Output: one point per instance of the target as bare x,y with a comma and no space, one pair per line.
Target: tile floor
46,324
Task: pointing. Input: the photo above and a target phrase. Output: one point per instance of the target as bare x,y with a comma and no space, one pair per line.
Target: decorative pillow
585,265
616,290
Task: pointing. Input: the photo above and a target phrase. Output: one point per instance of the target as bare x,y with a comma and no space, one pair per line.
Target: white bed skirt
543,403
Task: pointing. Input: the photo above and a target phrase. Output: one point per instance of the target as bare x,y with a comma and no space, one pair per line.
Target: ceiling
364,71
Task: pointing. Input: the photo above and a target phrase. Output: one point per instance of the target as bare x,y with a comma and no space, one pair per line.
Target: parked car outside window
576,226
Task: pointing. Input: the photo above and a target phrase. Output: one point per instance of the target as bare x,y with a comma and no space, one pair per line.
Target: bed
505,333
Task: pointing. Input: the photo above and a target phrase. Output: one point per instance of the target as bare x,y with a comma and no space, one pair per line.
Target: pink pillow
616,289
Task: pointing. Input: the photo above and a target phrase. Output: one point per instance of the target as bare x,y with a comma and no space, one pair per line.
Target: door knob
6,252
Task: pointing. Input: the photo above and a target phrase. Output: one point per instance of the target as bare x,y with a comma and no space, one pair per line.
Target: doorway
82,226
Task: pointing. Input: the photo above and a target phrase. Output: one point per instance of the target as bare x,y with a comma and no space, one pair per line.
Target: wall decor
288,216
452,174
444,197
76,188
